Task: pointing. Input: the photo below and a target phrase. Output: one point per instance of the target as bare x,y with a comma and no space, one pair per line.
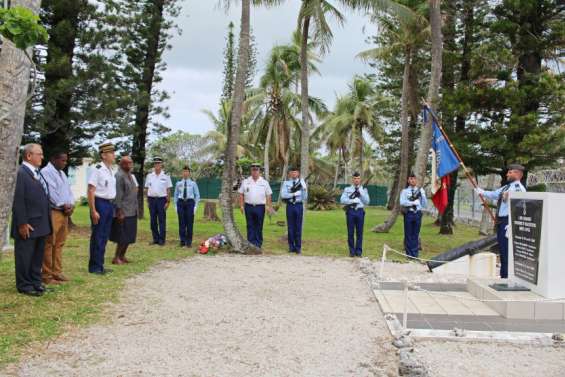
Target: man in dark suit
31,223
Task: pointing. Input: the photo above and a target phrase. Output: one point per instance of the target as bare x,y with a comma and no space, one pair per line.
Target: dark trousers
100,234
355,220
185,211
294,215
254,216
412,225
28,256
158,215
502,245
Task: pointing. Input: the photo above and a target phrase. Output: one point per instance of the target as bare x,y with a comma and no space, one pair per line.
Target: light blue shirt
300,196
59,188
192,191
406,194
359,202
515,186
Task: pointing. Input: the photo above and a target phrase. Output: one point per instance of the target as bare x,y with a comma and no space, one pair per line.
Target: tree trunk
486,226
336,175
305,130
404,147
238,243
351,156
62,21
361,145
143,104
14,83
210,213
266,150
284,171
448,85
433,91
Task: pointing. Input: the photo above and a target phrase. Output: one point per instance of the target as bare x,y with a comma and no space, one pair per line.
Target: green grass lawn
24,319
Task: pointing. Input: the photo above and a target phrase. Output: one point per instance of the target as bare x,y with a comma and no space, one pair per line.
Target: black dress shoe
189,245
182,244
44,289
103,272
32,293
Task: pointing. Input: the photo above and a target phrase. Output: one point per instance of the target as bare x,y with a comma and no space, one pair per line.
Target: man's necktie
42,181
185,191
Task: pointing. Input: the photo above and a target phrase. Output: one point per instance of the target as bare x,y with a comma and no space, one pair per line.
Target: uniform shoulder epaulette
517,185
98,166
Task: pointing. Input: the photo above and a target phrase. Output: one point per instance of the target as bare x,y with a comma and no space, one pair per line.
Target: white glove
506,231
297,193
355,201
195,209
416,202
479,191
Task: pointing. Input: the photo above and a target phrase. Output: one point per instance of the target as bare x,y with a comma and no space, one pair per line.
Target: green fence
210,189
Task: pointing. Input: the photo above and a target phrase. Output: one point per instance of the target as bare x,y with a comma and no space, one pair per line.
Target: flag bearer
514,174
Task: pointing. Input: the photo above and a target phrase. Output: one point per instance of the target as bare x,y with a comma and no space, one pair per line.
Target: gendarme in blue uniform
412,200
355,198
102,179
294,193
186,198
500,196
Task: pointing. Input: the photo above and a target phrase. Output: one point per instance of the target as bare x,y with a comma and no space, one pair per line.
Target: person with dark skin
62,203
124,226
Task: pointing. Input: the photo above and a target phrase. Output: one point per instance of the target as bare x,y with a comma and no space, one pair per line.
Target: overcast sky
195,63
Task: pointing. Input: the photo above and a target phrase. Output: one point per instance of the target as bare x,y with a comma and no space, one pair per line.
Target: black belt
157,197
295,203
186,200
104,200
254,205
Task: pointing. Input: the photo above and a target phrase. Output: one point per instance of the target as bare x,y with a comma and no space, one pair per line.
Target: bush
321,198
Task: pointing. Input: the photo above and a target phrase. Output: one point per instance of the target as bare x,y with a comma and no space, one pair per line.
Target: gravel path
232,316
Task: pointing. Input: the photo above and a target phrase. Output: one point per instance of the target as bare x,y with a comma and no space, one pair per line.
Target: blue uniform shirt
300,196
515,186
406,194
359,202
191,191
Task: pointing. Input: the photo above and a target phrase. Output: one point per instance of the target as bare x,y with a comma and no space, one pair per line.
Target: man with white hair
31,222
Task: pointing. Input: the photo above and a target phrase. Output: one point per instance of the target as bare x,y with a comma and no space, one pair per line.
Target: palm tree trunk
404,147
14,83
143,105
305,131
266,150
433,92
336,175
361,145
238,243
284,171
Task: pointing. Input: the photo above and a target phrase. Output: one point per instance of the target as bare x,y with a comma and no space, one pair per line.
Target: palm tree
280,103
410,34
354,113
433,90
238,243
14,83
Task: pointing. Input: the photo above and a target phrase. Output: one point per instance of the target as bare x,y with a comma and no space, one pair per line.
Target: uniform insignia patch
98,166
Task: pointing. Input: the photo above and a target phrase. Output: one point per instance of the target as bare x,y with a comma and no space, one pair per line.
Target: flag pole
467,173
